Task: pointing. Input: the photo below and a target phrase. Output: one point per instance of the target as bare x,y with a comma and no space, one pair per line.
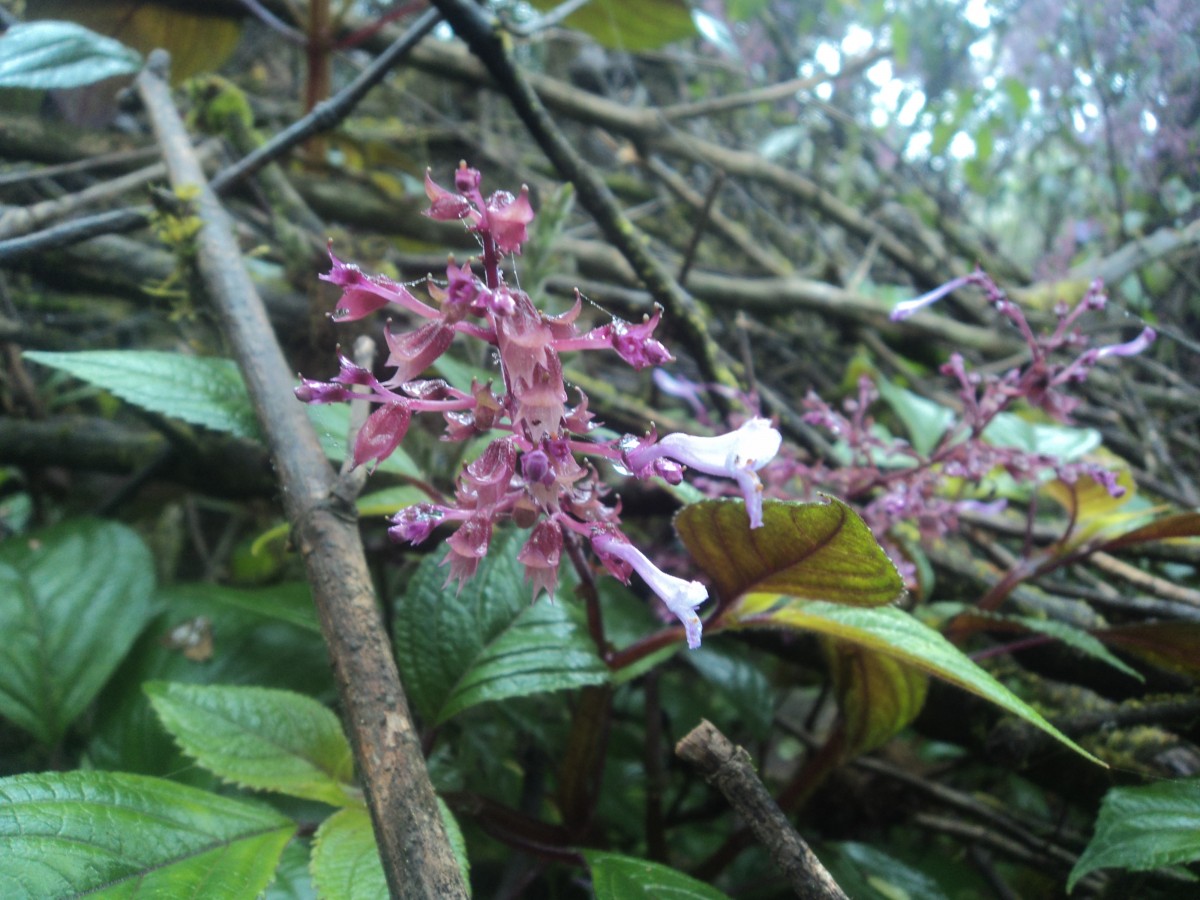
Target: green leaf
52,55
1068,634
648,26
200,390
119,836
878,694
345,859
73,599
207,633
289,602
1064,442
616,877
866,872
737,674
894,633
260,738
490,641
389,500
820,551
292,881
924,420
458,844
1144,828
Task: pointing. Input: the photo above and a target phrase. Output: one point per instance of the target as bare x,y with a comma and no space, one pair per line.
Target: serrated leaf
877,694
648,26
819,551
73,599
490,642
53,55
200,390
616,877
1068,634
260,738
116,835
894,633
1143,828
204,391
268,644
345,859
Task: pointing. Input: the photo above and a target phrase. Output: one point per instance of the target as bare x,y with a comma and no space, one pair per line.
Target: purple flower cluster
914,490
537,472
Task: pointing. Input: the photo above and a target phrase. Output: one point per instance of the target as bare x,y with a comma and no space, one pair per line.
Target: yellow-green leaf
893,633
647,25
878,694
818,551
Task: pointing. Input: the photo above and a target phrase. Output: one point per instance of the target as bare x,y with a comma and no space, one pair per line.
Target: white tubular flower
738,455
681,597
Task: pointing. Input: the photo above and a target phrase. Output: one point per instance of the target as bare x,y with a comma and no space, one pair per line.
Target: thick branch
417,857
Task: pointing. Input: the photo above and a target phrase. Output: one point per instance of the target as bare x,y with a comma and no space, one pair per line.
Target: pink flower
540,557
635,344
363,295
382,433
411,353
468,545
508,217
415,523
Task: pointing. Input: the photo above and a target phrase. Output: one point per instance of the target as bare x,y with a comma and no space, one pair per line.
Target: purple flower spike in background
531,473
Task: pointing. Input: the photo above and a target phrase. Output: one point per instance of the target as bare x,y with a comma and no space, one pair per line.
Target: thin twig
730,770
416,854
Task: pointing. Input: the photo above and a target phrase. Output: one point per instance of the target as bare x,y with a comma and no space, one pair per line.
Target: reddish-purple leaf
1174,646
1177,526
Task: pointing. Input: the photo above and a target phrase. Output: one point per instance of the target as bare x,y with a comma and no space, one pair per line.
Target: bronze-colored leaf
877,694
818,551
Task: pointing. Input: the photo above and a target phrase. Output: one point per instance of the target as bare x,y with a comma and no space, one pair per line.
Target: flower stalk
539,471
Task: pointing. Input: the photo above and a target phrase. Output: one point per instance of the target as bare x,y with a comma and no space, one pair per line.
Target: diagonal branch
729,770
417,857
